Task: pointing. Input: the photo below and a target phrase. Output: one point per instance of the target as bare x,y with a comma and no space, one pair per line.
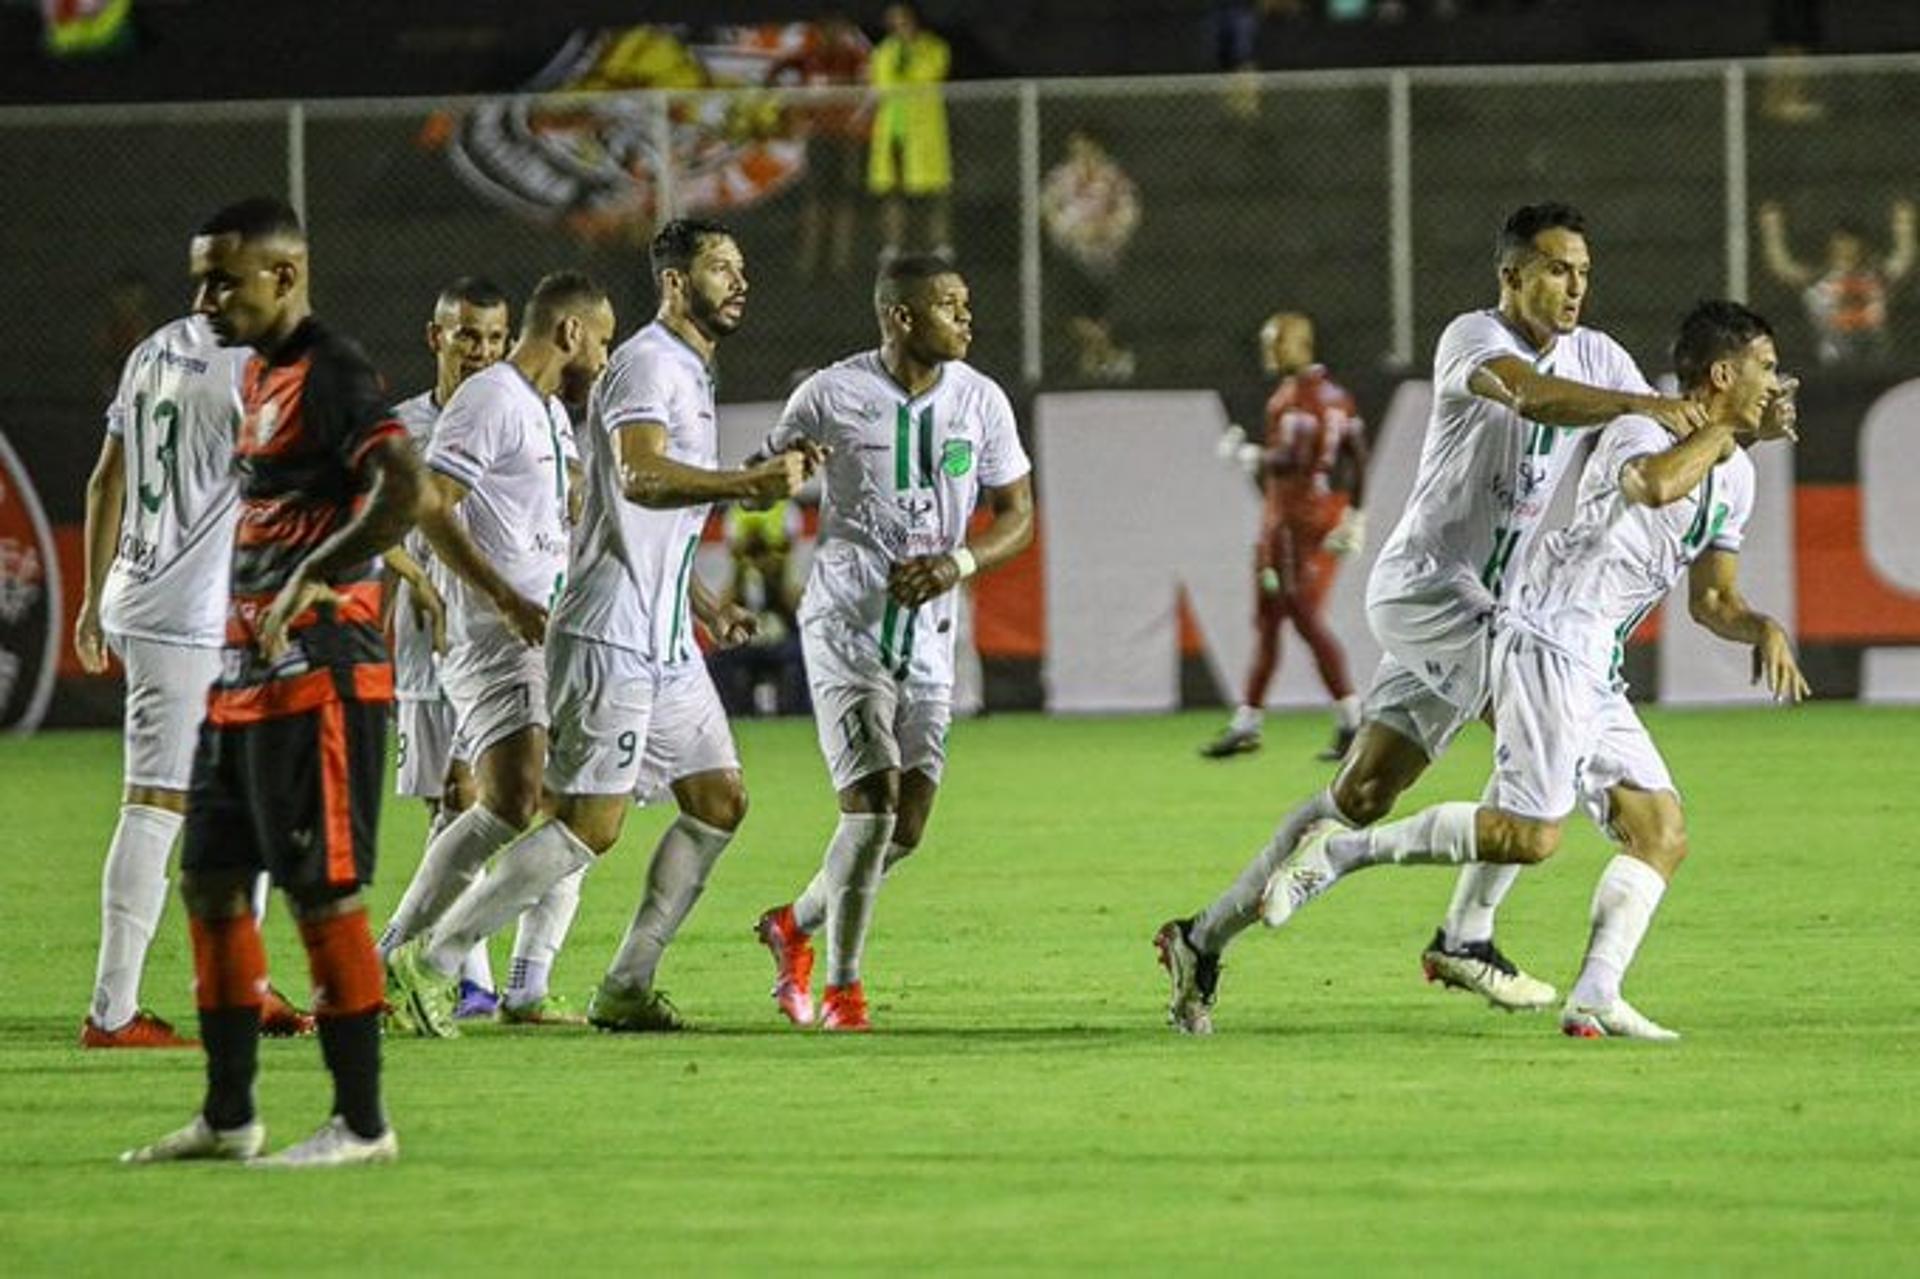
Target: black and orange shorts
295,795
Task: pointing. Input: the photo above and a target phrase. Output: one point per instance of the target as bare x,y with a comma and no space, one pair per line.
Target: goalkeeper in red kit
1312,471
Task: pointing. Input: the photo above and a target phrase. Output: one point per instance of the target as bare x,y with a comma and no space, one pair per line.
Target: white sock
1346,711
542,931
133,894
1246,719
810,907
521,876
852,866
453,861
1236,909
262,890
1442,835
675,878
1479,890
1624,900
477,967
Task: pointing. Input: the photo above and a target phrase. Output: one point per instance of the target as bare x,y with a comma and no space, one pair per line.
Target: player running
1511,385
1650,511
1313,427
914,436
468,332
288,771
503,468
632,706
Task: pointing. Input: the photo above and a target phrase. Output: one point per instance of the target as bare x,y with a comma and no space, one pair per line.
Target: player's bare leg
1653,842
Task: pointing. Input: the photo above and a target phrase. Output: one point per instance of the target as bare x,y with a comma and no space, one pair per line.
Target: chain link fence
1368,199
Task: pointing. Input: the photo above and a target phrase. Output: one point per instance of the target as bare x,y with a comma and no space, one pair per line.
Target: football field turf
1023,1105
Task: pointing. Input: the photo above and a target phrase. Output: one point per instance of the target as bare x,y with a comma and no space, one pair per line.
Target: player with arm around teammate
631,705
1650,511
914,437
1511,385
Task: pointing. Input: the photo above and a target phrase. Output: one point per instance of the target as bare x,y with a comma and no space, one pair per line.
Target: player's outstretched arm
1781,263
106,491
1656,479
913,582
1561,402
648,477
387,513
1714,599
456,550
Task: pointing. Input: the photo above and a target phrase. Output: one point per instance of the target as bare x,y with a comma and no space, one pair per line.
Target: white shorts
427,746
498,686
622,725
869,722
166,700
1433,679
1561,736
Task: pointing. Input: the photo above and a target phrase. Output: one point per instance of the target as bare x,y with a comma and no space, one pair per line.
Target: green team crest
956,457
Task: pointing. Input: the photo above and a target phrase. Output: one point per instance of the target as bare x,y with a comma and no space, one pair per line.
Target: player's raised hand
1781,419
1681,417
732,625
527,620
1773,661
90,640
296,597
913,582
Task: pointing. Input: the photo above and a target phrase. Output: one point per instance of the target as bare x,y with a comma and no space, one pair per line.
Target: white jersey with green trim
1487,474
902,478
175,414
416,677
508,446
1591,583
629,579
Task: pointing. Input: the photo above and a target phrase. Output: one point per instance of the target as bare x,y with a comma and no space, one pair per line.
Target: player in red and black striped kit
1314,436
287,775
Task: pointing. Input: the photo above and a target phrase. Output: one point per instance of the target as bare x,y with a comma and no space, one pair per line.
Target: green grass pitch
1023,1106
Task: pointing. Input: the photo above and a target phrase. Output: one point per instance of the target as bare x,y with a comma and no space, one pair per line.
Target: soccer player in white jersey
502,464
468,332
1511,387
913,436
632,707
160,512
1650,511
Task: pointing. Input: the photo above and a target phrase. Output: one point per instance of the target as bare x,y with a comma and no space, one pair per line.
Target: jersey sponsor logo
956,457
29,598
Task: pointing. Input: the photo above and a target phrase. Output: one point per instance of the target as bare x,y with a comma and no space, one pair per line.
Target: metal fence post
297,160
666,203
1735,96
1031,352
1400,215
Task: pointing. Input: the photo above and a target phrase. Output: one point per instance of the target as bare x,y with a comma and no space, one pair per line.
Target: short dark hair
559,295
903,276
1528,221
475,291
258,217
1712,331
677,243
